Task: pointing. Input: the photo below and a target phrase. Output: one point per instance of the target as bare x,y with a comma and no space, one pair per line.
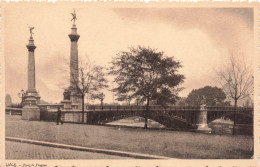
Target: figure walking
59,117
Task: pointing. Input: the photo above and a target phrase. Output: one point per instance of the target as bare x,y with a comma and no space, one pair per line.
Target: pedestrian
59,117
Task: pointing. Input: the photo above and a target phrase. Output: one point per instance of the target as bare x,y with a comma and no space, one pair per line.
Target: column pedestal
202,125
30,111
67,104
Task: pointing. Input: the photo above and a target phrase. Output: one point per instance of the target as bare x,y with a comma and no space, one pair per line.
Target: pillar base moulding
31,113
67,104
203,128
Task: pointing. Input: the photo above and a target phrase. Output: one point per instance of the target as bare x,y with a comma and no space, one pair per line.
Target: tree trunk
83,97
146,113
235,118
101,104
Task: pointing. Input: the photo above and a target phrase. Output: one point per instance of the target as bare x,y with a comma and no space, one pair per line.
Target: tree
90,80
43,102
8,100
213,96
100,96
124,97
236,80
147,74
181,102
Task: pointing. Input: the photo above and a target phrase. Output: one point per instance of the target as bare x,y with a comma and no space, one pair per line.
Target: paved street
16,150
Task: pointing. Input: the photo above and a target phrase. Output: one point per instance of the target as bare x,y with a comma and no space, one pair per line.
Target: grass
165,143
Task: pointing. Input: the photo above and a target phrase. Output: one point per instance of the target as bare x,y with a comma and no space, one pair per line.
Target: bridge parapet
244,114
230,109
125,107
13,111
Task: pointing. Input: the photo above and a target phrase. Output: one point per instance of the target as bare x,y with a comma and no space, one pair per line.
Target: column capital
31,47
74,37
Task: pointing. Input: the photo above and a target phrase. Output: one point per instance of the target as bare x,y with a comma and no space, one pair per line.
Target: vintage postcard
129,84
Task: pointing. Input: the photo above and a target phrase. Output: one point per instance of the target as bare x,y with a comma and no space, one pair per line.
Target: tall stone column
202,123
74,36
30,110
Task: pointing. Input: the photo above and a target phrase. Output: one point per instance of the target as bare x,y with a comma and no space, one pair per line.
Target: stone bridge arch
244,115
242,118
170,119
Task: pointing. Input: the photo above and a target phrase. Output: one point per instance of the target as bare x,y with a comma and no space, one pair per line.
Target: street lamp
21,95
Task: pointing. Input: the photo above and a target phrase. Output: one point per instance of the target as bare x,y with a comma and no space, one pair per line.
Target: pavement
80,148
17,150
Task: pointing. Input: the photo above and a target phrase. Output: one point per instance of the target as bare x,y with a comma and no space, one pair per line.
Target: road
17,150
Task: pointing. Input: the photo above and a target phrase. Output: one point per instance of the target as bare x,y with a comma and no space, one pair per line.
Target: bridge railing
114,108
13,111
230,109
124,107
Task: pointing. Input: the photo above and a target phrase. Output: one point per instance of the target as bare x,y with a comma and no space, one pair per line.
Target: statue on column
31,29
66,94
203,103
74,17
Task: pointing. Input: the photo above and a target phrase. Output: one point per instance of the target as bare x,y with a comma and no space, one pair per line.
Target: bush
48,116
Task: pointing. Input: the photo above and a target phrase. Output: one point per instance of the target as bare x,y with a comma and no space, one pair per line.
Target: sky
200,38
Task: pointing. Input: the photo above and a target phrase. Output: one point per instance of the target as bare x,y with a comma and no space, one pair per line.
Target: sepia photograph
129,82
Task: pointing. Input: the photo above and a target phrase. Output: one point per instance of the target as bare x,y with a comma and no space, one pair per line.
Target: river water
219,126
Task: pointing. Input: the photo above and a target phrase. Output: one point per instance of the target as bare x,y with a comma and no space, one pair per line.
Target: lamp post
21,95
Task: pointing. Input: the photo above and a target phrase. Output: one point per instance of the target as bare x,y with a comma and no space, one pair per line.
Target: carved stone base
31,113
31,95
67,104
203,128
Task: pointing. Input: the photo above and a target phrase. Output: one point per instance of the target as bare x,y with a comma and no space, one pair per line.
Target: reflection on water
219,126
225,127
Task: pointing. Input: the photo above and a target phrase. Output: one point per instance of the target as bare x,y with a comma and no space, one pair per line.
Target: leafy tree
8,100
236,79
182,102
100,96
147,74
43,102
124,97
212,95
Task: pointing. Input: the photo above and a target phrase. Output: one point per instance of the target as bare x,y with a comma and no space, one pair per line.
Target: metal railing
13,111
169,108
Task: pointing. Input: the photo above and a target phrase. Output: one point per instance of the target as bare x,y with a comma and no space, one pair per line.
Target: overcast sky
201,38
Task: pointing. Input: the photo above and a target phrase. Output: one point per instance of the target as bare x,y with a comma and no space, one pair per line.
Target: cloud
199,37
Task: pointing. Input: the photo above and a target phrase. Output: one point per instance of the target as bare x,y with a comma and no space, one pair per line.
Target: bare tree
236,80
100,94
85,78
90,80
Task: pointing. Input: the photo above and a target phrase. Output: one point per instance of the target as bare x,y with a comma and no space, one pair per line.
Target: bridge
177,117
171,117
